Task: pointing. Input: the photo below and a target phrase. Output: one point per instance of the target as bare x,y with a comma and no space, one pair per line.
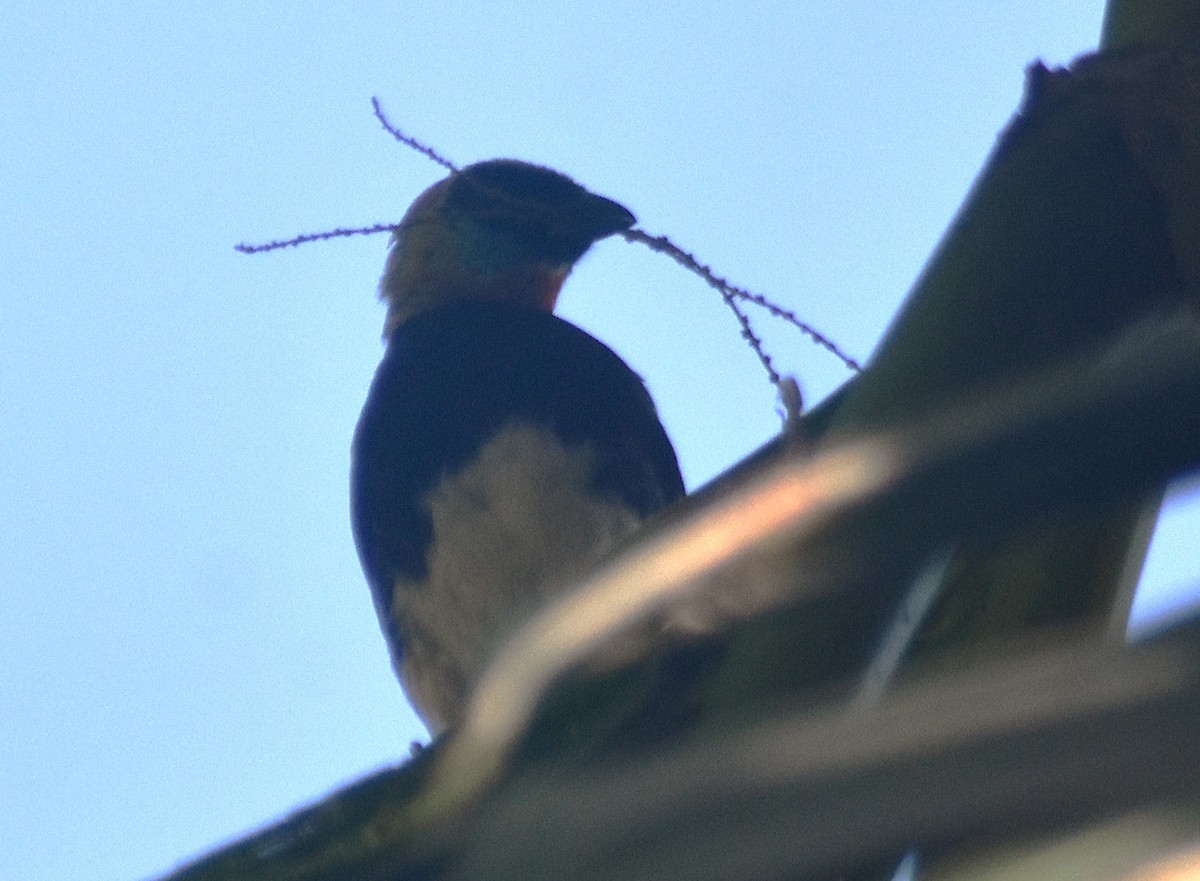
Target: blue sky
187,646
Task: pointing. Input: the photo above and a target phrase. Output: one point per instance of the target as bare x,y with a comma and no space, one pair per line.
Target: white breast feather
510,529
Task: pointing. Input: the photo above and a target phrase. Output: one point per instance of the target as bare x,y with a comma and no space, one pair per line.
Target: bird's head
500,230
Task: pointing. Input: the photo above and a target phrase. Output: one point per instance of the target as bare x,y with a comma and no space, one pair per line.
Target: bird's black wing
449,381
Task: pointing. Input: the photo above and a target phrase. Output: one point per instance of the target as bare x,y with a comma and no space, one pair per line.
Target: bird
501,449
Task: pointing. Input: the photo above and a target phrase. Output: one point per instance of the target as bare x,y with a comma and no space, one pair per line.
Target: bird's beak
598,217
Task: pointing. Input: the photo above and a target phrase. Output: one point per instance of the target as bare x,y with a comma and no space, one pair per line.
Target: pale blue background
187,647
